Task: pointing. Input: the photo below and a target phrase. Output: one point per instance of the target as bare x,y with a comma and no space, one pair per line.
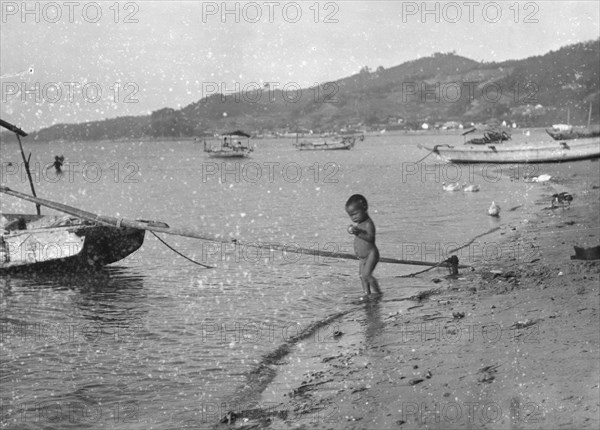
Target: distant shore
7,137
512,344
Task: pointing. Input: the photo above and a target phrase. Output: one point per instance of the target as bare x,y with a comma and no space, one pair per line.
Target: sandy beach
512,343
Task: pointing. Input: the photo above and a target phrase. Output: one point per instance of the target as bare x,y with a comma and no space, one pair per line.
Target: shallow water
155,341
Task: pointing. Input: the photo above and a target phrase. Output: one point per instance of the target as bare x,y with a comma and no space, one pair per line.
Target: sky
66,62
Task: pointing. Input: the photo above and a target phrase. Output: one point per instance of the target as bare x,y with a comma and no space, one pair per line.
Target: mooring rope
473,240
447,261
179,253
412,275
430,152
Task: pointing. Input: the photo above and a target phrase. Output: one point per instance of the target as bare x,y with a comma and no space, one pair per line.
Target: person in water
58,163
364,242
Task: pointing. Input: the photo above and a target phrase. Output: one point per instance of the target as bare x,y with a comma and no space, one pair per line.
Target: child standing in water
364,242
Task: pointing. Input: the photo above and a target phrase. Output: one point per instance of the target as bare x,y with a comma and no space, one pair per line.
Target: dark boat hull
66,248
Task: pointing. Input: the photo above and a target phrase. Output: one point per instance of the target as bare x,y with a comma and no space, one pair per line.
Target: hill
536,91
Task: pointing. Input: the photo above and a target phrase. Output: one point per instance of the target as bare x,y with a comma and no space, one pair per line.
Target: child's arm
366,231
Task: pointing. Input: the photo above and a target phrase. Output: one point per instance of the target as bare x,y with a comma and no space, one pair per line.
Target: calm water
155,341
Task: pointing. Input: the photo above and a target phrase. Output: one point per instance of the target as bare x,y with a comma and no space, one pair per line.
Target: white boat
548,151
235,144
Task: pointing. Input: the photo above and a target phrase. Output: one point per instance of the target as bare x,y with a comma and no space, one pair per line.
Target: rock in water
473,188
451,187
494,210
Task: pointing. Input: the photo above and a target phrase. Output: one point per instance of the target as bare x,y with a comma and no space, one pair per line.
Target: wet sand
510,344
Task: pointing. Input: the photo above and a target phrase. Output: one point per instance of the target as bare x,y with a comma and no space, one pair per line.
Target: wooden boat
336,143
235,144
549,151
569,132
57,243
574,133
30,242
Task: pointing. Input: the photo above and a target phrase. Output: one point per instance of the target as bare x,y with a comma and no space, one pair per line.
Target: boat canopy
236,133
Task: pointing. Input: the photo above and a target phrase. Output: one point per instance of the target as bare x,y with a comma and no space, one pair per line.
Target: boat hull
534,152
323,148
228,154
344,144
63,248
573,133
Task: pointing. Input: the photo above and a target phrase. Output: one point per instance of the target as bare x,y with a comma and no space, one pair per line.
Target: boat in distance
337,143
548,151
235,144
574,133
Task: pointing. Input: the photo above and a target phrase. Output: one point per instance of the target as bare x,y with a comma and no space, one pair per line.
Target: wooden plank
161,227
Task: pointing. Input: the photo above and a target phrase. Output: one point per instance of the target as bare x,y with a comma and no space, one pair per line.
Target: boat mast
589,116
18,132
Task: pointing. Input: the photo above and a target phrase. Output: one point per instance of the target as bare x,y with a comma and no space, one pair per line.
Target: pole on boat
160,227
18,132
589,116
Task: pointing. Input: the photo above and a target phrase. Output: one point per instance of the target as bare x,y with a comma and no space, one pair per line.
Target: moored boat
32,242
336,143
235,144
573,133
57,243
548,151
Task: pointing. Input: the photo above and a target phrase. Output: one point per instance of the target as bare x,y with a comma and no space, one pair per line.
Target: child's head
358,199
357,207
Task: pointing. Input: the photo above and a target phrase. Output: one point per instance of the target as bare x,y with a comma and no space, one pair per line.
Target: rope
433,151
430,152
411,275
179,253
473,240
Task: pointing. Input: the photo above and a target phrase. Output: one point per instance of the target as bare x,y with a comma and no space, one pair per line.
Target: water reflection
54,304
62,336
374,325
116,296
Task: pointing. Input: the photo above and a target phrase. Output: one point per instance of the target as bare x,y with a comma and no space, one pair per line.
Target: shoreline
472,351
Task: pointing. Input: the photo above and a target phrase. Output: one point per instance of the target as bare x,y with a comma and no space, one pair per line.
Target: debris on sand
487,373
586,253
494,210
562,199
423,295
524,324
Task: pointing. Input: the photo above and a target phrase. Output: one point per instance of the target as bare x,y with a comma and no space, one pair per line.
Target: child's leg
361,274
369,266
